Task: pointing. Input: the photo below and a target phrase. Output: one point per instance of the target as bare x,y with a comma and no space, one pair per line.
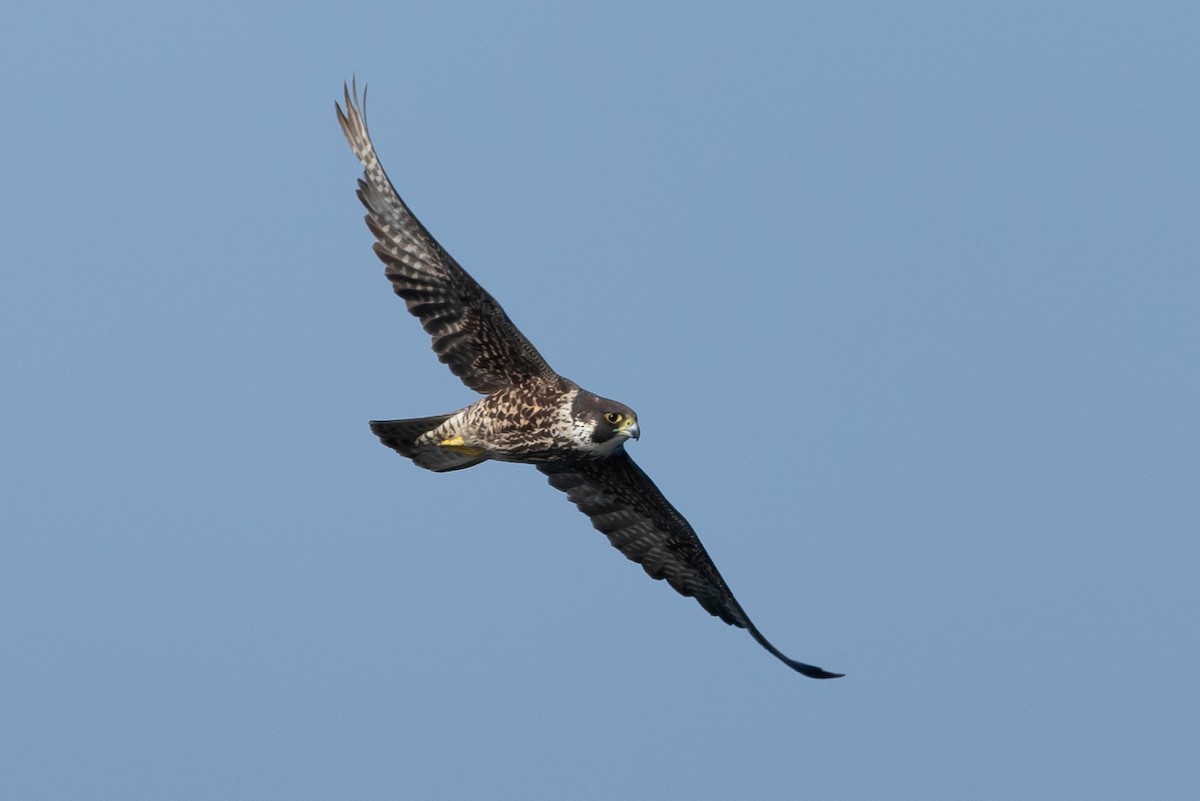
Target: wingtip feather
814,672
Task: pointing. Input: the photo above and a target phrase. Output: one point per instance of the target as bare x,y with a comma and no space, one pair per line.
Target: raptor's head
603,424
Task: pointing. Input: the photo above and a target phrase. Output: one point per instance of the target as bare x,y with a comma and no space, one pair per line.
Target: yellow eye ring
613,418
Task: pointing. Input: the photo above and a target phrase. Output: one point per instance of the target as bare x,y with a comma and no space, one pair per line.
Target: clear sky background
906,299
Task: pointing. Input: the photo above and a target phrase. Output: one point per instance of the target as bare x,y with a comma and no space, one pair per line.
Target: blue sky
906,300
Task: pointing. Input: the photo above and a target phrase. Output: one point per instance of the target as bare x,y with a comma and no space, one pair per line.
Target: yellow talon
457,443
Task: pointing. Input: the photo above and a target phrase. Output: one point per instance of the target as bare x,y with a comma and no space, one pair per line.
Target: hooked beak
630,429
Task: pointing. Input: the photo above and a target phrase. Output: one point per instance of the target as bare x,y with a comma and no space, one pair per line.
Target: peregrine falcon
529,413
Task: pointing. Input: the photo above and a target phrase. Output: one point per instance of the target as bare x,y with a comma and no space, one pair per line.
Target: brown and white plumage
471,333
530,413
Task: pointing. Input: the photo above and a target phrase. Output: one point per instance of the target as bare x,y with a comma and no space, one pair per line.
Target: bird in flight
529,413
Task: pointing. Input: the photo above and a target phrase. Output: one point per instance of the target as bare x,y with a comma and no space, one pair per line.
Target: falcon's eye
613,417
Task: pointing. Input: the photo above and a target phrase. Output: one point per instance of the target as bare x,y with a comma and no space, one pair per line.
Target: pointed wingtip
814,672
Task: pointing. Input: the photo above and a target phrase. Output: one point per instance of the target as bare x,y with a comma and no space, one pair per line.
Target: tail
401,436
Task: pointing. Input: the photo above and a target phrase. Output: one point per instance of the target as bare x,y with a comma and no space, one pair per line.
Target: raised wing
624,504
471,333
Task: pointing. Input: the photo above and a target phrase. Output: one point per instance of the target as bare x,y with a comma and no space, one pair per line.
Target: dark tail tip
401,435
